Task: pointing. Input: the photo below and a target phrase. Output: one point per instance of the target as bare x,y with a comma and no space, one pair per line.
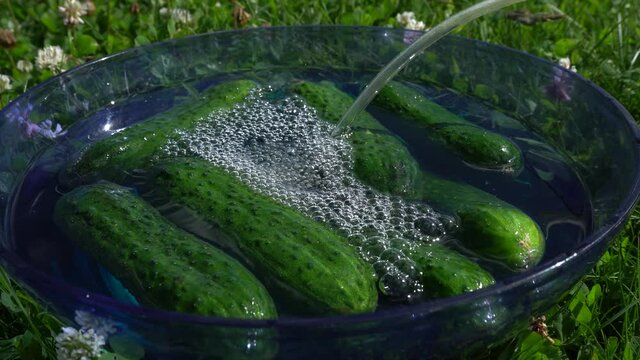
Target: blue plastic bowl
589,127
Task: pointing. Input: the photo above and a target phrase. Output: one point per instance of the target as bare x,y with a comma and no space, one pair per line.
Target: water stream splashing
402,59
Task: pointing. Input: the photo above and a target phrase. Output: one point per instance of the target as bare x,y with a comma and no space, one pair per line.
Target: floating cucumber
379,161
305,259
160,264
476,146
140,144
443,272
491,228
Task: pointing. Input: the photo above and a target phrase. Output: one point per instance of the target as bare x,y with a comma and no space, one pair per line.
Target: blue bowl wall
595,134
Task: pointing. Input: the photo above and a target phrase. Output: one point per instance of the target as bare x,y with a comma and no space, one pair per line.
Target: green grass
26,328
596,320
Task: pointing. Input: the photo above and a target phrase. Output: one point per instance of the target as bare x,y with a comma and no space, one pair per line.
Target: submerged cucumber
491,228
160,264
141,144
331,103
305,259
476,146
444,272
378,160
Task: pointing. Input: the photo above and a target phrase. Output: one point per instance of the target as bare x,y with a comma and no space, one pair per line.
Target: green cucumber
378,160
476,146
314,266
490,228
444,272
160,264
331,103
141,144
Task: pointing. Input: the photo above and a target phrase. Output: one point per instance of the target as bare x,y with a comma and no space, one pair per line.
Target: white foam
282,149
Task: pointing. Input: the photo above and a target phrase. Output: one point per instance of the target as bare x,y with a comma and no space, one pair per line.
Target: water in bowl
276,144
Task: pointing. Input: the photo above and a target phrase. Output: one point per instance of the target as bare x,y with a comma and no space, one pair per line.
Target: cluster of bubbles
282,149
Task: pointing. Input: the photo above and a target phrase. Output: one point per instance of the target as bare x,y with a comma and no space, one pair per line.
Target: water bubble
392,255
374,246
406,266
382,267
394,283
281,148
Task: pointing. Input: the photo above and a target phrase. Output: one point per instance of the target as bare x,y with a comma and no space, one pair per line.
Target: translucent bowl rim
89,299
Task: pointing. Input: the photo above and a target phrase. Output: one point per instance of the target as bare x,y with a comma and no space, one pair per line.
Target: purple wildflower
47,129
558,89
20,116
30,129
411,36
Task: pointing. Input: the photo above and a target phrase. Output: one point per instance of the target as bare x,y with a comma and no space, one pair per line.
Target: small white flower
11,25
51,57
73,12
565,62
181,16
415,25
24,66
218,4
404,17
86,320
408,20
74,344
5,83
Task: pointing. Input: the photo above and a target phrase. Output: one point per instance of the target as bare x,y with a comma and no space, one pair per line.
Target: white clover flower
565,62
51,57
218,4
415,25
72,344
408,20
103,327
24,66
181,16
5,83
404,17
73,12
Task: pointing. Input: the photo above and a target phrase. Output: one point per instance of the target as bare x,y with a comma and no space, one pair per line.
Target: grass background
597,319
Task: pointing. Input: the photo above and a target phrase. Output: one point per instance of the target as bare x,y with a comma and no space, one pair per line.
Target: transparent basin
578,119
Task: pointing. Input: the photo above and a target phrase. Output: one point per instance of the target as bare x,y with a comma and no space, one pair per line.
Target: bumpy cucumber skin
160,264
311,262
377,161
491,228
330,103
475,145
444,272
141,144
376,157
